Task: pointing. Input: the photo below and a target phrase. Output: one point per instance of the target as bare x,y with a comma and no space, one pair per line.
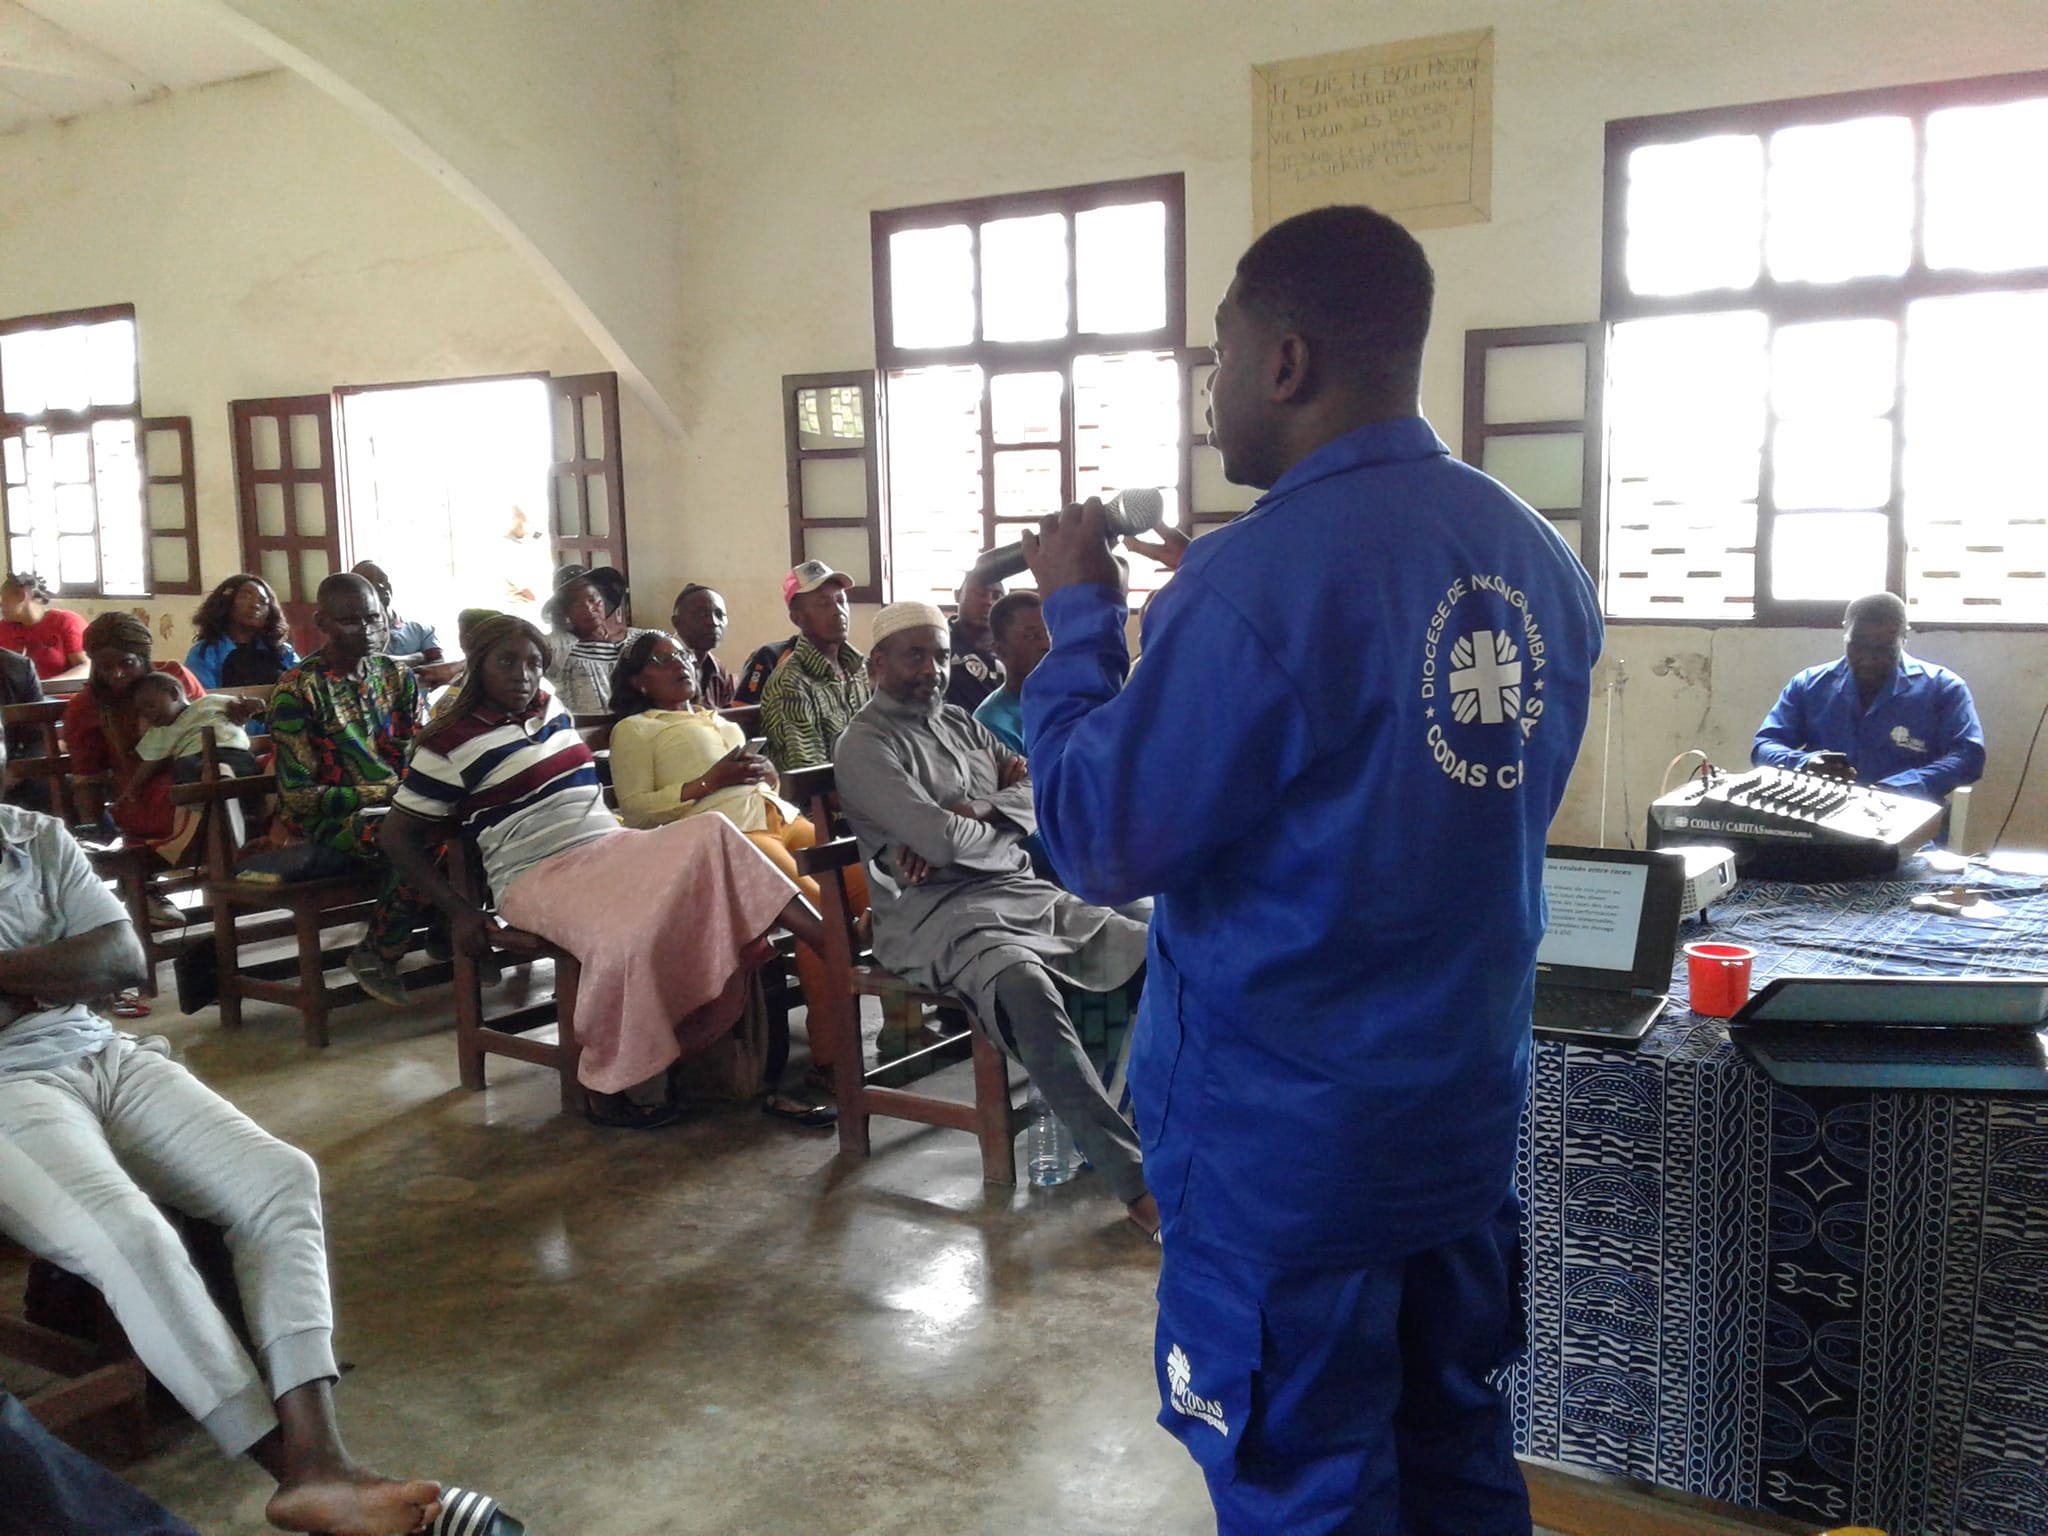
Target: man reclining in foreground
96,1127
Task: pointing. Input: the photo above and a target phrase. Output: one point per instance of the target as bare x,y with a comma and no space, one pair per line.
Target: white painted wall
556,121
801,116
272,244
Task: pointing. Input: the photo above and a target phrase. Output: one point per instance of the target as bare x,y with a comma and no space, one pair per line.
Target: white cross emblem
1487,681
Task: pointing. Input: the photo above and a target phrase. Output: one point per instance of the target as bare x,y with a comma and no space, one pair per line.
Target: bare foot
1143,1213
352,1502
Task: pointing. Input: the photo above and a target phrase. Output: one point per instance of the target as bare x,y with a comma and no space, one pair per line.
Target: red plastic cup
1718,975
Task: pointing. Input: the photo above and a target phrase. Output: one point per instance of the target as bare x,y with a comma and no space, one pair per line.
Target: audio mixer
1786,824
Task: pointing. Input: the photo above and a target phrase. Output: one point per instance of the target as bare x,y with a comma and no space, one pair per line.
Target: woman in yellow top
671,760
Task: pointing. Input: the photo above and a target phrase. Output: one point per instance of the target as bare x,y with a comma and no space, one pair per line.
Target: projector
1709,875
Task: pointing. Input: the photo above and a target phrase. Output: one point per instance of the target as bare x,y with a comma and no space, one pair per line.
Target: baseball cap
810,576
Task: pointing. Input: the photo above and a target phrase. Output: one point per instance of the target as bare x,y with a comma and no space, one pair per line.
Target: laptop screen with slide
1612,918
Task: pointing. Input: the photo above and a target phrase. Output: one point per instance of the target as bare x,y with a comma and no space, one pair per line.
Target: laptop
1971,1033
1603,971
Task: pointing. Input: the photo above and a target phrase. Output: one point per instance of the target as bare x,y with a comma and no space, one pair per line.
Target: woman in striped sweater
666,923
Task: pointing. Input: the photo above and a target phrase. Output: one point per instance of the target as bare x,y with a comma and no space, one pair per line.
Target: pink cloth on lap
657,920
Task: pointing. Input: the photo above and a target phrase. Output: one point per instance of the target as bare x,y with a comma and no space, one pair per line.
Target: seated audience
95,1128
1878,716
102,728
178,728
671,760
342,721
976,673
53,639
666,923
941,809
1017,635
823,682
239,637
698,619
588,635
20,685
410,642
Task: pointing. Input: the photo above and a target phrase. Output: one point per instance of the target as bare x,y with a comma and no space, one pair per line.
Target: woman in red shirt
101,727
52,638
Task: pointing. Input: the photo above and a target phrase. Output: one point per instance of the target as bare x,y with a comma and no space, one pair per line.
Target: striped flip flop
465,1512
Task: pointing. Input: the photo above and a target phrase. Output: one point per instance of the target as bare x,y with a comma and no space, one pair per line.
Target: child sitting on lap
178,729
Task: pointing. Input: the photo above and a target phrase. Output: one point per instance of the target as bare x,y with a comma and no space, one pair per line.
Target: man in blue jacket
1335,769
1878,716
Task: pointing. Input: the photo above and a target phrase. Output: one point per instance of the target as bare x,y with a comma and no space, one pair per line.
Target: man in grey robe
942,809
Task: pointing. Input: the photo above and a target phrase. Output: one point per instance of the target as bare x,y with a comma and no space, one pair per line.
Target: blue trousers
48,1489
1357,1401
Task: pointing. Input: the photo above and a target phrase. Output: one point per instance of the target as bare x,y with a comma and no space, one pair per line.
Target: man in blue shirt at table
1335,768
1877,716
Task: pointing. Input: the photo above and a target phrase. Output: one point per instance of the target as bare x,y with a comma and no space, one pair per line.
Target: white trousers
87,1150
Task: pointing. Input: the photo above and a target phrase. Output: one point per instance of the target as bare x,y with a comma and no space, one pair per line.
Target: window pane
21,372
1827,556
1028,482
1985,205
67,381
830,418
1120,264
1834,368
1686,439
110,362
931,286
1976,501
1024,278
1546,383
1025,407
1687,405
934,479
1841,200
1695,214
1545,469
1126,423
1832,463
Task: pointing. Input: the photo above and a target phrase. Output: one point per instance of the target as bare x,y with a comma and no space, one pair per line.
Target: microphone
1137,510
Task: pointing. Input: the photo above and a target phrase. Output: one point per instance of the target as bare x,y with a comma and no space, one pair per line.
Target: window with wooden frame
470,492
834,453
98,499
1828,357
1532,421
1032,349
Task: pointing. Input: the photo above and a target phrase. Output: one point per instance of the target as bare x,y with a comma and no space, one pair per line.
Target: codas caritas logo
1482,682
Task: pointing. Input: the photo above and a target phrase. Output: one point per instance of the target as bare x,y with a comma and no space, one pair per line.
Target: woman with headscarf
49,637
101,727
666,924
239,636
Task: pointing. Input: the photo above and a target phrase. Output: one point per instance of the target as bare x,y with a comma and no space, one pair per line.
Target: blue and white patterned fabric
1828,1303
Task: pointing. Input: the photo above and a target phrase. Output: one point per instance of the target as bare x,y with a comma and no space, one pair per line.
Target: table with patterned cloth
1828,1303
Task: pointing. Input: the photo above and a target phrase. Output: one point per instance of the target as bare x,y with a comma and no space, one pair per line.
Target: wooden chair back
46,762
477,1035
995,1115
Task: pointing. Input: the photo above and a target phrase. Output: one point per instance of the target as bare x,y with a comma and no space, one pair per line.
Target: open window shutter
285,489
1533,397
832,451
587,521
171,504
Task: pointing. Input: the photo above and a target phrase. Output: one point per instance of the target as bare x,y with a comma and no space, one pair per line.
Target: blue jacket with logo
1919,737
1335,765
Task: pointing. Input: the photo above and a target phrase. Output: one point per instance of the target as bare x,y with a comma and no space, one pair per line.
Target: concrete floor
717,1327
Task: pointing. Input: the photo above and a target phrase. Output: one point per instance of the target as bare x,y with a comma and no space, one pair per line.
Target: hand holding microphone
1071,548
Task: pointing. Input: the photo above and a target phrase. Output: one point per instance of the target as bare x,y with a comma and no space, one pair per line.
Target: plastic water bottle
1048,1145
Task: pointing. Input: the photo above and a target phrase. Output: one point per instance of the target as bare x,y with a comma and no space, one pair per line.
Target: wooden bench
93,1376
997,1111
303,908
